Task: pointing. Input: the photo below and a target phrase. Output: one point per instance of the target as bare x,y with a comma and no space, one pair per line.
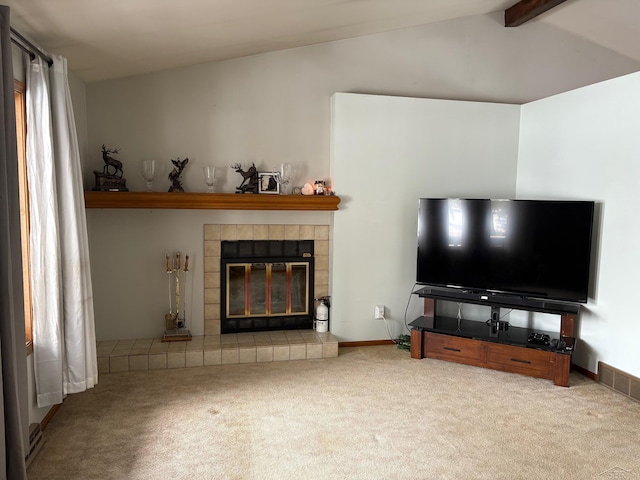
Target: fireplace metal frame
279,252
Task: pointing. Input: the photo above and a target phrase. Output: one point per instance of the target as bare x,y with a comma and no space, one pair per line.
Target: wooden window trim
21,131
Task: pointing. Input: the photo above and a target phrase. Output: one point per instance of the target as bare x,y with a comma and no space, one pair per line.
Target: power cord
403,342
406,309
459,317
388,331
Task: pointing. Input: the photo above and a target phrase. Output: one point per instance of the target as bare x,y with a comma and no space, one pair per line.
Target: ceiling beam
526,10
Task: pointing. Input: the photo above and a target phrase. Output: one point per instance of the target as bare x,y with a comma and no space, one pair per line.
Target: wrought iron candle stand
175,326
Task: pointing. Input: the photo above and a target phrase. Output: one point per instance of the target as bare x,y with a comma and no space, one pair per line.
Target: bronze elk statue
111,162
249,178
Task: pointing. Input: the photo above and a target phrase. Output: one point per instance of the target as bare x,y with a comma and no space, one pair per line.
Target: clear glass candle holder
209,174
149,173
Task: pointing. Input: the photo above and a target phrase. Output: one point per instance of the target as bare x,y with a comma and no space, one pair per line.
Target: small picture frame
267,183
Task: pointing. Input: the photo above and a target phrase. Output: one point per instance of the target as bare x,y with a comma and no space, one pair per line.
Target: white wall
584,144
275,108
581,144
387,152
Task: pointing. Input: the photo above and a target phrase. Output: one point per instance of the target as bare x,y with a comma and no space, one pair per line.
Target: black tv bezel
461,291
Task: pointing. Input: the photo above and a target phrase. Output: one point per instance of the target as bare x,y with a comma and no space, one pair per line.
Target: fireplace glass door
267,289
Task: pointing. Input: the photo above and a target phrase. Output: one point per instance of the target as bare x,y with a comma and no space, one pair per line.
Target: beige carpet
370,413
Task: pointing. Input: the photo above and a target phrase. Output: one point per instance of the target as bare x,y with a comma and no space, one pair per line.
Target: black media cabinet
495,344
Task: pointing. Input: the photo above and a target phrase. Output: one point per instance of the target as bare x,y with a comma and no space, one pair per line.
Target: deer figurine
111,162
249,178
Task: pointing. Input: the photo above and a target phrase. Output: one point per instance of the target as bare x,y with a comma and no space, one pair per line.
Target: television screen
529,248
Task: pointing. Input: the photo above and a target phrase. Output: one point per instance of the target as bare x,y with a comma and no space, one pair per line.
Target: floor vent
619,381
35,442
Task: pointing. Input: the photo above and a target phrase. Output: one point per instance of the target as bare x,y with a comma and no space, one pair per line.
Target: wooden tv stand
498,346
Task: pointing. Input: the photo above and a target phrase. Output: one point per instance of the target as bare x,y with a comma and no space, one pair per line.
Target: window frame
19,90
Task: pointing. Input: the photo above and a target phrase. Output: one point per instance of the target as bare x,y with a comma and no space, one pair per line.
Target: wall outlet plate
378,312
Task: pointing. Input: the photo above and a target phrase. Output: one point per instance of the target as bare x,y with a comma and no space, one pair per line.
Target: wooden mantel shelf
209,201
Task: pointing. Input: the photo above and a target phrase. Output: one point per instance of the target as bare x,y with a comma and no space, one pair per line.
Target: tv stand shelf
492,345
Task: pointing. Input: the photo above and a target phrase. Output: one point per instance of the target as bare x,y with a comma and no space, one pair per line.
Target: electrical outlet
378,312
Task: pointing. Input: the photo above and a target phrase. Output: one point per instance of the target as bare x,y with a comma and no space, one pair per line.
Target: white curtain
64,344
80,366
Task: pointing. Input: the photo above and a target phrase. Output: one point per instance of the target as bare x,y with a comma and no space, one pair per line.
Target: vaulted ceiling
118,38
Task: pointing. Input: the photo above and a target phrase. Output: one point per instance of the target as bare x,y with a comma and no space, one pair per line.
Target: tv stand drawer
527,361
454,349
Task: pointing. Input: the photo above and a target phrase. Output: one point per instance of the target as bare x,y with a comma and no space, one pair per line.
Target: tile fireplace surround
215,349
214,234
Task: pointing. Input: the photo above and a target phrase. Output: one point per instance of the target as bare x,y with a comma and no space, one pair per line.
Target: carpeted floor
370,413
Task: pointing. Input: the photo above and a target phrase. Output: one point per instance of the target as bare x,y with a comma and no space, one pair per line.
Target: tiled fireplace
215,234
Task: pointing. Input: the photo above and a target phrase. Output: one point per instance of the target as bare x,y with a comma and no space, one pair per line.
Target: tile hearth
153,354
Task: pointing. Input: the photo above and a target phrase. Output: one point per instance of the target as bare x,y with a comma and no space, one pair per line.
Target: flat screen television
536,249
